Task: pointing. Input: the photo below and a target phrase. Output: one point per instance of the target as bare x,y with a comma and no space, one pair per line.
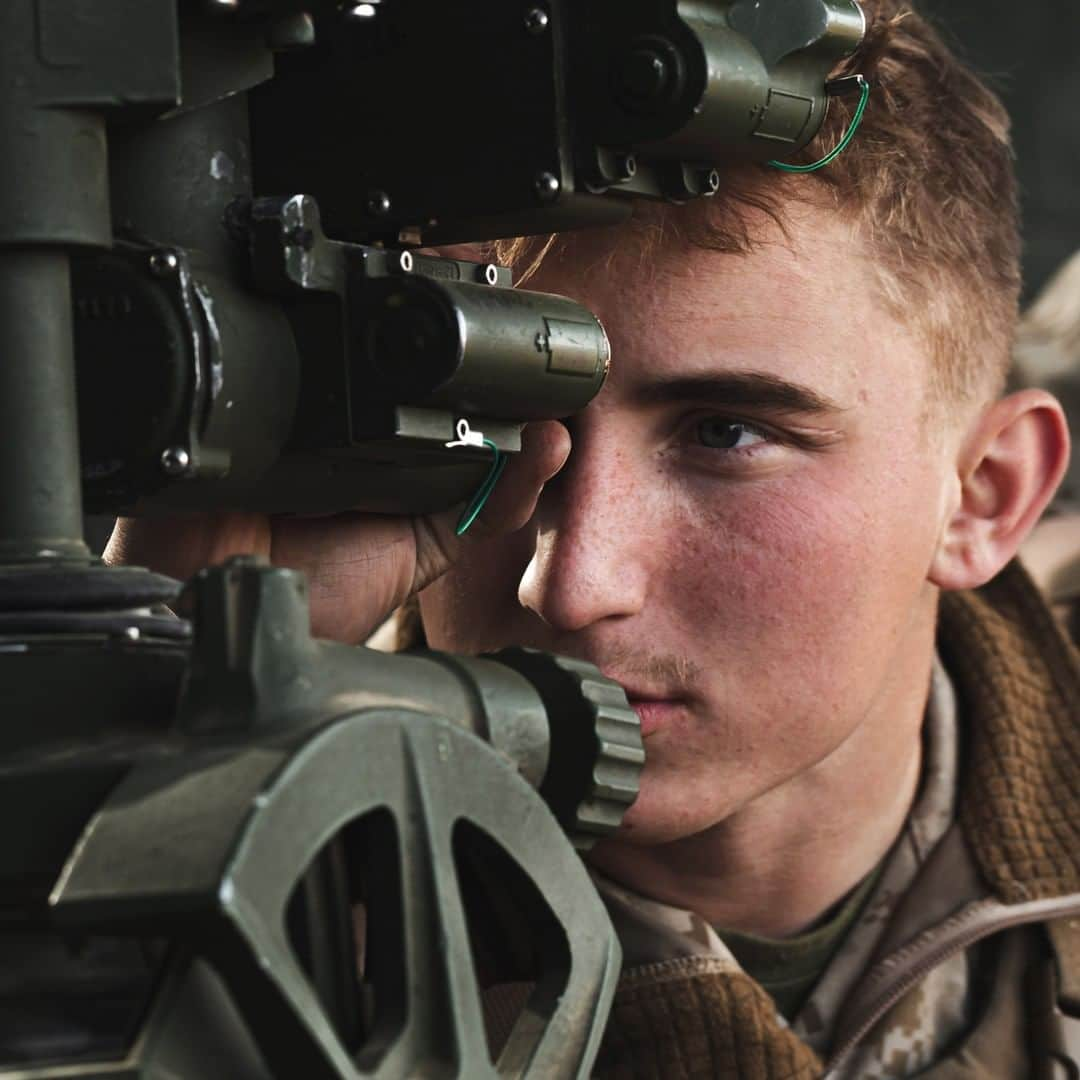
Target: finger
181,545
544,450
545,446
359,568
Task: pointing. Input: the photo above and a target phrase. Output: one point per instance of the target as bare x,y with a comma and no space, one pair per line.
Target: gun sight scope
239,345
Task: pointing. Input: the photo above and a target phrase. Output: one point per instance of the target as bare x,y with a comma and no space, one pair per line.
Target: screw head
175,461
378,203
164,263
537,20
547,186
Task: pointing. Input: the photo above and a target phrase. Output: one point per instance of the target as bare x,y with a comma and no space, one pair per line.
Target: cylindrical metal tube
475,348
54,189
40,513
511,717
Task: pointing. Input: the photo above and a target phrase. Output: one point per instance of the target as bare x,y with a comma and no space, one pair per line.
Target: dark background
1029,52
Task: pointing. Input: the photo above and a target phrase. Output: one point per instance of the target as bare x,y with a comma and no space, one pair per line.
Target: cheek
802,559
792,598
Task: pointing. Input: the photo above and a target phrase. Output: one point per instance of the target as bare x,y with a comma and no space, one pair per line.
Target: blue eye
718,433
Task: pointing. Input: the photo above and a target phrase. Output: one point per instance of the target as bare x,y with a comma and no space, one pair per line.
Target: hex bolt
163,263
378,203
175,461
547,186
537,20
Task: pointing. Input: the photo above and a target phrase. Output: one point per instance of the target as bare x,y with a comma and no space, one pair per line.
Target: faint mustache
653,671
626,663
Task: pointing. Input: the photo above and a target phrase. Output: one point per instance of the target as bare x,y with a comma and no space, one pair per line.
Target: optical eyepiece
477,349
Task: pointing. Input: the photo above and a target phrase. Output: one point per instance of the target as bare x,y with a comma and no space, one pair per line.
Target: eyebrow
743,389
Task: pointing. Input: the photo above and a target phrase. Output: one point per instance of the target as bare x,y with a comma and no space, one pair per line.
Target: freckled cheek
774,575
748,555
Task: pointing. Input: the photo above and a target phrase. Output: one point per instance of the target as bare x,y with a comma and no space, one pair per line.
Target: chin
652,820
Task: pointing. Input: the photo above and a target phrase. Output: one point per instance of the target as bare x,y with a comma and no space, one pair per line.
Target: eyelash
718,457
772,437
765,436
768,451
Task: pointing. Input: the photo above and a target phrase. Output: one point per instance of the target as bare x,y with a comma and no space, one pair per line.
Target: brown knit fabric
1018,681
693,1018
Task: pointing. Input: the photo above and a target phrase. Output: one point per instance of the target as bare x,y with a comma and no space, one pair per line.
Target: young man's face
744,528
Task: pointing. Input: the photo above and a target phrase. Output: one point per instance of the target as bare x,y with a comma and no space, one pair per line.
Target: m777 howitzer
228,849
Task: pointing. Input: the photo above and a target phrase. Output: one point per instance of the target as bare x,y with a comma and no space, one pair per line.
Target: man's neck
776,865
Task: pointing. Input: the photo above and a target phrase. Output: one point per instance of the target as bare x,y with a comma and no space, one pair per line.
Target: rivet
378,203
163,263
547,186
537,20
175,461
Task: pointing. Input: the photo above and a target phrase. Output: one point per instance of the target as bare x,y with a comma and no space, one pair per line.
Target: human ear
1008,468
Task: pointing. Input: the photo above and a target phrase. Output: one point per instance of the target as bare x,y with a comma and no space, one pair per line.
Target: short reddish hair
928,181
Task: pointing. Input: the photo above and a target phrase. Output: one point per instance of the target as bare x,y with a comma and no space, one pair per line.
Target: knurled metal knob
596,750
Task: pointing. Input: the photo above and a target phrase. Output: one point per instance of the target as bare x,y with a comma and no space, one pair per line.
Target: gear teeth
620,754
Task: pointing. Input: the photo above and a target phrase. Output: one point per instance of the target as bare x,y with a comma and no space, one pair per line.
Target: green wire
472,511
840,147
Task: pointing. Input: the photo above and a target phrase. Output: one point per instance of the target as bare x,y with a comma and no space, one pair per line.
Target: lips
655,711
658,701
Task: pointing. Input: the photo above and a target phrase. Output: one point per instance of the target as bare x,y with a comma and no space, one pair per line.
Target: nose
591,556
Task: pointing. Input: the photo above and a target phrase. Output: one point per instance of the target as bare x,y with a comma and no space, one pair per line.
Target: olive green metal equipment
226,849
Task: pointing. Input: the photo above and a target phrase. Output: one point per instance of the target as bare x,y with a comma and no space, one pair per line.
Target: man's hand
359,566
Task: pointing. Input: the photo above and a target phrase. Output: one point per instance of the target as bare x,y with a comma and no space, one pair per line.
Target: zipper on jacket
962,930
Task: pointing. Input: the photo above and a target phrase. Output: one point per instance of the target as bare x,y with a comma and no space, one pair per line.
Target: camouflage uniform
926,1021
965,961
968,950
